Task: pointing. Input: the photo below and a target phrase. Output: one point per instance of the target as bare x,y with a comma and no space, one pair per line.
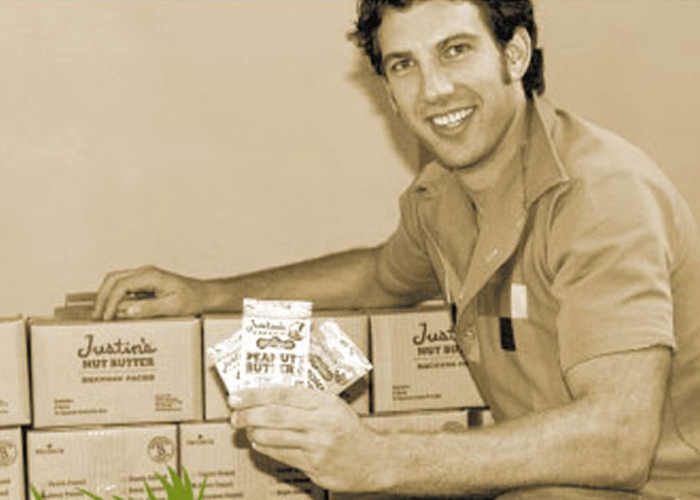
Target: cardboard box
14,374
92,373
106,461
11,464
215,451
413,422
417,363
219,327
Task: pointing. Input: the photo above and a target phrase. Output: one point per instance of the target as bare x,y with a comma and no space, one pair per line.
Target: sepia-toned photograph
349,249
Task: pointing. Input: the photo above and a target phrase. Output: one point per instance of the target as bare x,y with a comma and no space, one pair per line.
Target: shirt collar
543,169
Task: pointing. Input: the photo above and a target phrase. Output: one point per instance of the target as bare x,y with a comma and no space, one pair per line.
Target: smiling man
568,259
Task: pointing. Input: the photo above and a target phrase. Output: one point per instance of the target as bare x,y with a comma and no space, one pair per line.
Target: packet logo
8,453
161,449
50,450
200,440
275,343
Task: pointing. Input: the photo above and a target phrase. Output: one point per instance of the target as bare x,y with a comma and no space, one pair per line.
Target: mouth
451,120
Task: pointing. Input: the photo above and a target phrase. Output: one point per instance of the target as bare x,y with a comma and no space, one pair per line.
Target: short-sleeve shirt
594,252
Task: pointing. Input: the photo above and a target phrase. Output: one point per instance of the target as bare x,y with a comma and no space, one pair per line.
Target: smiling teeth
452,119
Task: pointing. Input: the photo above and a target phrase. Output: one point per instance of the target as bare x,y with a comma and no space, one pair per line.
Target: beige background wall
216,137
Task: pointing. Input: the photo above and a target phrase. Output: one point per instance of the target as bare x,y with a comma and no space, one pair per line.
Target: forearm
343,280
572,445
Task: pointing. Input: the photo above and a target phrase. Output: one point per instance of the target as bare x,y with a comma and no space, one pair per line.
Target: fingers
293,397
105,291
119,285
295,457
280,417
276,438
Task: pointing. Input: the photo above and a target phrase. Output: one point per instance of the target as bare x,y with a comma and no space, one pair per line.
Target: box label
418,364
119,372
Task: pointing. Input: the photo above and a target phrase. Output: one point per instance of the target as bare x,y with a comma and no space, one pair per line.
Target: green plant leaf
91,495
181,493
201,489
151,495
169,490
35,493
188,483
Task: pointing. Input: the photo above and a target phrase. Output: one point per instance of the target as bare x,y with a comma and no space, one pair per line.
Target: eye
399,66
456,50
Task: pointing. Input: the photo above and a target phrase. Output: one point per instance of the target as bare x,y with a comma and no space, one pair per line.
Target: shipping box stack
114,403
107,397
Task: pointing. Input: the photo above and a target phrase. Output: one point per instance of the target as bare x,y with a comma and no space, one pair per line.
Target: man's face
448,79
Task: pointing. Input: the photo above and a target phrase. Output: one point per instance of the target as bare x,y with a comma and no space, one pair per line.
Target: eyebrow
458,36
440,45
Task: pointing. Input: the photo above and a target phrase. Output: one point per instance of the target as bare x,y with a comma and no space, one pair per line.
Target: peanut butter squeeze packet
275,343
280,345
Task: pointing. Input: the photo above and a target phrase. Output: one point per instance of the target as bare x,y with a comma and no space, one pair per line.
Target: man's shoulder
608,176
586,150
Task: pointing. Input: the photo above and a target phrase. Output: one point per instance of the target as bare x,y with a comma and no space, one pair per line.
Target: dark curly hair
503,17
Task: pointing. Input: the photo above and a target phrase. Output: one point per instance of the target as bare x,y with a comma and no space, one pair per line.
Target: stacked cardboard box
11,464
88,373
417,363
14,406
107,461
14,374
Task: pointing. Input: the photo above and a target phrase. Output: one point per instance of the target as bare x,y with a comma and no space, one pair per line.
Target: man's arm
606,437
343,280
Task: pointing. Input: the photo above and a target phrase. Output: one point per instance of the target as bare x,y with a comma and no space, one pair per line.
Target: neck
487,182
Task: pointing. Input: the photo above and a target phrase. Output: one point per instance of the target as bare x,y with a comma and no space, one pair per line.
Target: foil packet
275,343
335,362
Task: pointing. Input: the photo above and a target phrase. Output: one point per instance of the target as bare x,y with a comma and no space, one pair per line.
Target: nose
436,82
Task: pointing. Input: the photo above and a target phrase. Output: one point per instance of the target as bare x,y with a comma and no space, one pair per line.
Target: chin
452,163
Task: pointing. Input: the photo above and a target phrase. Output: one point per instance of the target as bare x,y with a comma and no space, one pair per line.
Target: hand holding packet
280,344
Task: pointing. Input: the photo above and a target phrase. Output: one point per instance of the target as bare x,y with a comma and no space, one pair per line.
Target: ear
518,52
